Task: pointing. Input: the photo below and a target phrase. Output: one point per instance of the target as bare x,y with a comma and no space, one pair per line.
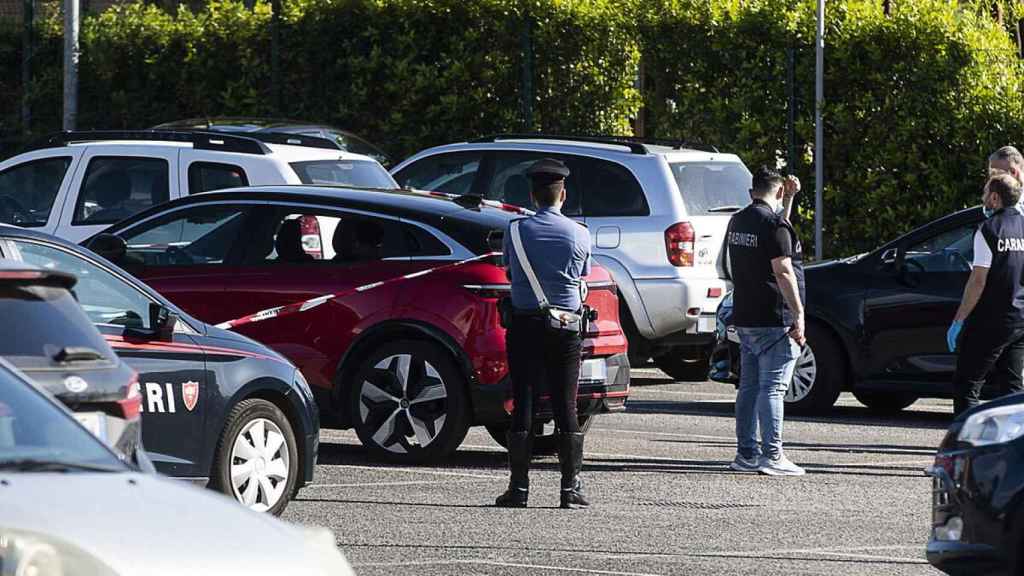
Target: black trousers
984,349
542,360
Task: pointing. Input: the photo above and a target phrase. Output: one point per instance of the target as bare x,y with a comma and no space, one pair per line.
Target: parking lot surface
663,499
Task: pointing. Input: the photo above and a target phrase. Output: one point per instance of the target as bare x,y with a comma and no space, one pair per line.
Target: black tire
826,361
247,412
681,369
884,402
383,417
543,444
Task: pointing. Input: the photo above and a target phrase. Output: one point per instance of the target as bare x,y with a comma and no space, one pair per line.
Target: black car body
51,340
978,492
192,377
876,322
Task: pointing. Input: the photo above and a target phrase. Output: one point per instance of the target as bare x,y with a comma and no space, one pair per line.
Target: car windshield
712,187
358,173
37,435
46,315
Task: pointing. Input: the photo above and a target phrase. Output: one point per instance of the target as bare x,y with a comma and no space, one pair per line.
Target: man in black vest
763,258
991,313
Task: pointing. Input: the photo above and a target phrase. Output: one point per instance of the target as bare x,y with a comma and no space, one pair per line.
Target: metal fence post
71,54
790,109
526,84
275,55
27,48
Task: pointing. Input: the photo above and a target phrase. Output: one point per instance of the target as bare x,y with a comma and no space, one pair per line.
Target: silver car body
664,300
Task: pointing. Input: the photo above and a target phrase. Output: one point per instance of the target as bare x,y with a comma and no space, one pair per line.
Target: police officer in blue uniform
543,358
991,313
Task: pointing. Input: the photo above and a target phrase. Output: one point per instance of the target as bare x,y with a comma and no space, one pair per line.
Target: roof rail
634,147
279,138
200,140
635,144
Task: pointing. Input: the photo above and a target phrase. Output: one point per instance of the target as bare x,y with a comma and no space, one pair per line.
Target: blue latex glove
952,333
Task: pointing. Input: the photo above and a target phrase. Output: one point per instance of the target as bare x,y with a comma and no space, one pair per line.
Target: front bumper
974,489
493,404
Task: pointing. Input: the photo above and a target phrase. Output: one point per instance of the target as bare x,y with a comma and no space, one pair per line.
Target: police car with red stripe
217,407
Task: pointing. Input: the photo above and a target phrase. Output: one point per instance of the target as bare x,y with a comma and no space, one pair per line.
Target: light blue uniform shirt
559,251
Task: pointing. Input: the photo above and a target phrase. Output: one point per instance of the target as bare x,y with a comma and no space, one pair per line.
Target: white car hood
146,525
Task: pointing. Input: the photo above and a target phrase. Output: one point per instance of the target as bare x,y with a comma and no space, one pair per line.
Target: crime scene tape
297,307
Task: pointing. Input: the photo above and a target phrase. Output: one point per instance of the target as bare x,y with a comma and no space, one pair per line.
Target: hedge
915,99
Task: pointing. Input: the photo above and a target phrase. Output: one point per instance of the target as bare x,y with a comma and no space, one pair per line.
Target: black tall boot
570,456
519,448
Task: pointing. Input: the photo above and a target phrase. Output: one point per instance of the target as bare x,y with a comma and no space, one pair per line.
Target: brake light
312,243
21,275
679,242
714,292
489,290
131,405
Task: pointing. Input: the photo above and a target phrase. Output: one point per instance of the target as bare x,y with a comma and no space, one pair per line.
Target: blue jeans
767,360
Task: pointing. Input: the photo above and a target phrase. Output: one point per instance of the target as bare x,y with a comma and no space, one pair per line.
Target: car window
115,188
198,235
709,185
27,191
511,185
950,251
105,298
449,173
358,173
339,238
612,190
48,319
35,428
206,176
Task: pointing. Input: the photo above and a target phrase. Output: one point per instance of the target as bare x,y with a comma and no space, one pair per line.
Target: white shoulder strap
517,244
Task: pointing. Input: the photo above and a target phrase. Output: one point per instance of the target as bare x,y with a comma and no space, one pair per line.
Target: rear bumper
492,404
680,308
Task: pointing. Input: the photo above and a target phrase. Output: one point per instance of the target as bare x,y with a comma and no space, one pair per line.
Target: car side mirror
161,324
109,246
892,260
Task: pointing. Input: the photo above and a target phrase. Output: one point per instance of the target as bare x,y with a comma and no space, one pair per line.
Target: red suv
409,364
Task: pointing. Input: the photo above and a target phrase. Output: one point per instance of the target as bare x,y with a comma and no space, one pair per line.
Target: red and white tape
289,309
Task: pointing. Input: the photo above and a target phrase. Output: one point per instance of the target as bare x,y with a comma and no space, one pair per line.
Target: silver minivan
657,214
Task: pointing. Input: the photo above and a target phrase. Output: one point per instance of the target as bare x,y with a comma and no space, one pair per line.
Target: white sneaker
741,464
780,466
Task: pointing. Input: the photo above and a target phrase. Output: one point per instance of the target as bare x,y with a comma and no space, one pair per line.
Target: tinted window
510,184
35,428
116,188
358,173
105,298
27,191
206,176
339,238
199,235
449,173
950,251
612,190
48,319
709,185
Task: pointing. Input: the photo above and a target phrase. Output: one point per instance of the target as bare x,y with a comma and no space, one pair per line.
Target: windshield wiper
37,465
70,354
729,208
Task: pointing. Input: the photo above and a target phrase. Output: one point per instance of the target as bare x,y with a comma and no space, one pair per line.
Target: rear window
706,186
49,319
358,173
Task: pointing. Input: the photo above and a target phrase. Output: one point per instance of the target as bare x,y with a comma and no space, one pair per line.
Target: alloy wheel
260,463
803,376
403,401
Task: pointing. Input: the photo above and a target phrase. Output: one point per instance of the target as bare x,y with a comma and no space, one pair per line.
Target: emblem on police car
75,384
190,394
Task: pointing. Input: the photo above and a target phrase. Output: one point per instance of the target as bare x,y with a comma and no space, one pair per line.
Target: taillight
131,405
311,241
489,290
679,240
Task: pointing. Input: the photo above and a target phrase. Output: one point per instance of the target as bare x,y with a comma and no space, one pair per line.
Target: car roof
285,152
621,151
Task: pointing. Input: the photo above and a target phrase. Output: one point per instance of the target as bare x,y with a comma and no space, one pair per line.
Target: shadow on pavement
886,449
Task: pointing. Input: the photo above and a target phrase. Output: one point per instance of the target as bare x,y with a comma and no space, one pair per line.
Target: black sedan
217,408
978,492
876,322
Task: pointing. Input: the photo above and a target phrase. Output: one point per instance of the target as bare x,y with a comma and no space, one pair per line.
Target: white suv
82,182
657,214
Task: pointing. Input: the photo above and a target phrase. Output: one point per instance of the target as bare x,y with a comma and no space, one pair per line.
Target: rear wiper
77,354
730,208
36,465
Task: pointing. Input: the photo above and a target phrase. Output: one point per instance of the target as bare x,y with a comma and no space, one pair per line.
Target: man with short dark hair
763,258
1007,159
991,313
546,257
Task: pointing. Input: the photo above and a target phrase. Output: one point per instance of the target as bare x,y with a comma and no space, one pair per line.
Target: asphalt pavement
663,499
